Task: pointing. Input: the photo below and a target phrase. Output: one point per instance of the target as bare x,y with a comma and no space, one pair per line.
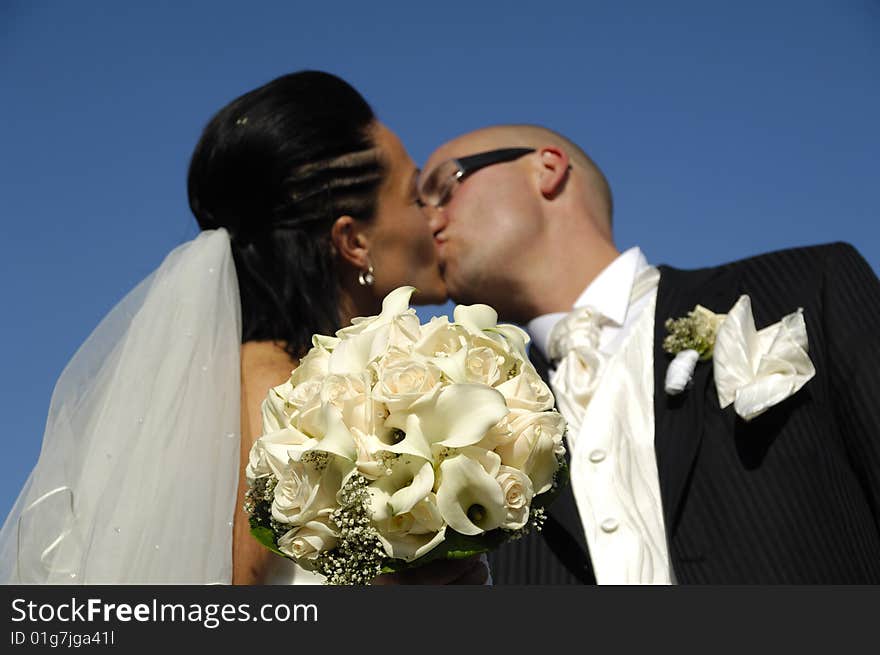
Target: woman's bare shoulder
264,364
265,358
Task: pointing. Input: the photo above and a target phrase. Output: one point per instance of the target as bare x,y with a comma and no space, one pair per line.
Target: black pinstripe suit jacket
792,496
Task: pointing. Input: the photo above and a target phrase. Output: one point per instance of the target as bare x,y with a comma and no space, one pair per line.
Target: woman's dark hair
276,167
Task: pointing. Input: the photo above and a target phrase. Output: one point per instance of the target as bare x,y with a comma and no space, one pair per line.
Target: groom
751,474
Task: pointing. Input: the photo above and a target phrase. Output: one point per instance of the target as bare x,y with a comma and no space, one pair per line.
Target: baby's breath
358,555
258,500
696,331
537,517
317,458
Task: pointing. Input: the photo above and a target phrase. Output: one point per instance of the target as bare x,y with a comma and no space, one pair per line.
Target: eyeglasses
436,189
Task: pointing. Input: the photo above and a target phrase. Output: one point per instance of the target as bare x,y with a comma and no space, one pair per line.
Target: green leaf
266,537
454,546
561,480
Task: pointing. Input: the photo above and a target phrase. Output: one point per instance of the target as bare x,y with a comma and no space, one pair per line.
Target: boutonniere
753,369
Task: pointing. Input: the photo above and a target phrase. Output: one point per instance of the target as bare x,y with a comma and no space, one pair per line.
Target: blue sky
726,129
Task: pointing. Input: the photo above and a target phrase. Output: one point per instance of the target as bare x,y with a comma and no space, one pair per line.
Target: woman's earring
365,278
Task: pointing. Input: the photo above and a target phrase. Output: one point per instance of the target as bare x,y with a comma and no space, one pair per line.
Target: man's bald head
520,234
535,136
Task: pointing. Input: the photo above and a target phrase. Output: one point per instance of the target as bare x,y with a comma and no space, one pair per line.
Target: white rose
305,401
500,434
404,331
306,491
404,380
305,543
349,395
315,364
536,443
527,390
346,393
272,452
276,411
337,389
518,494
482,366
440,338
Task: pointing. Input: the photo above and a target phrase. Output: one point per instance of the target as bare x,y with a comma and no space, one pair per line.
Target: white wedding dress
137,475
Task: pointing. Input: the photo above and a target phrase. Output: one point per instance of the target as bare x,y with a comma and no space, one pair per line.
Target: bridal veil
137,475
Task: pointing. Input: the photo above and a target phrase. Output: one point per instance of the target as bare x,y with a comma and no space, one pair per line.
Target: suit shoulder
803,257
815,254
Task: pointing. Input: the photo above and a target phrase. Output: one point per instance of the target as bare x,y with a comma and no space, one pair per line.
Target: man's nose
437,218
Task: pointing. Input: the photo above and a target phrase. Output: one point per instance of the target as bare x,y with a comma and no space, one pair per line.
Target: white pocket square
755,370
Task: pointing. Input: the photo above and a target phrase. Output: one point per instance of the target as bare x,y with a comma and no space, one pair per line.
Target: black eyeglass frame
470,164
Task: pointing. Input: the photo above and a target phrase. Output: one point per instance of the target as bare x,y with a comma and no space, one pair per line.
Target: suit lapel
678,420
563,509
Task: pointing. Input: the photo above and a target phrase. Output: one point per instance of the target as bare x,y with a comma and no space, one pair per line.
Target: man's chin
463,295
432,296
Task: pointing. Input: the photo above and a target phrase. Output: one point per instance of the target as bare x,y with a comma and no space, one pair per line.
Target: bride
309,217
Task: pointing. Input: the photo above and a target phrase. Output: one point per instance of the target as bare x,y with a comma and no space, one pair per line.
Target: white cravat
604,387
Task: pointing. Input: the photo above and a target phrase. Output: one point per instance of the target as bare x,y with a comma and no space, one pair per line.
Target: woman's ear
554,170
350,242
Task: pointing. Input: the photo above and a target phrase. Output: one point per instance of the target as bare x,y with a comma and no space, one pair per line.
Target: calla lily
414,533
516,337
475,317
406,498
324,341
409,545
337,439
410,481
367,337
415,442
395,303
490,461
354,354
457,416
470,500
454,366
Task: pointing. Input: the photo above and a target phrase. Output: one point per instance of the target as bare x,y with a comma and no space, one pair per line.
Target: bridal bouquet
395,443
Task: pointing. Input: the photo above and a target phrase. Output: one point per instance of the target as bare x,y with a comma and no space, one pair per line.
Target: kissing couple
722,423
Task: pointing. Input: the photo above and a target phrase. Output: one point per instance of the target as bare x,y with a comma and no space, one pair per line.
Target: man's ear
554,170
350,242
